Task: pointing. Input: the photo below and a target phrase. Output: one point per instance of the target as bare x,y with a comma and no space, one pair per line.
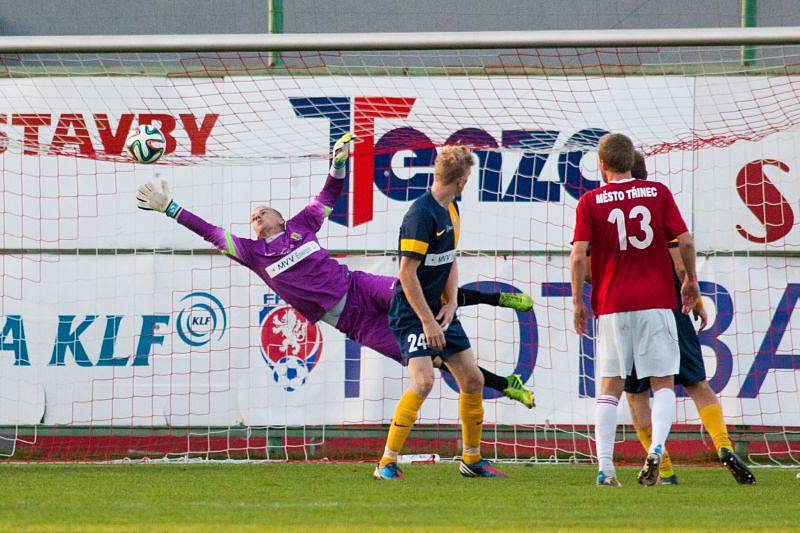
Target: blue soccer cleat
390,472
604,480
482,468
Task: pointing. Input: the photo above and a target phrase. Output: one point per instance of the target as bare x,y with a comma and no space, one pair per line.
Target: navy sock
467,297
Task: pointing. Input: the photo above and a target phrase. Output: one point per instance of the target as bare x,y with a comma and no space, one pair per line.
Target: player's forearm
416,298
451,287
579,270
688,254
677,263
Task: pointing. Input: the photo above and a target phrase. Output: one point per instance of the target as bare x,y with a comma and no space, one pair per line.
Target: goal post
125,336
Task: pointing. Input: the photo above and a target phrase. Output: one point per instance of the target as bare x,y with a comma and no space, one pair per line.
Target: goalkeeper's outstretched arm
315,213
150,198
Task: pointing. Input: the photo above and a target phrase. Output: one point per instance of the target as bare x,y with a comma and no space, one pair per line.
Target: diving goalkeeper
287,256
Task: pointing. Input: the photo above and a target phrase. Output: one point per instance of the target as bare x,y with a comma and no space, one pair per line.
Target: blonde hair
616,151
452,163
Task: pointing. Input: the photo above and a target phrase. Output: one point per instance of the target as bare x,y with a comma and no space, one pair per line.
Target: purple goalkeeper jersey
293,264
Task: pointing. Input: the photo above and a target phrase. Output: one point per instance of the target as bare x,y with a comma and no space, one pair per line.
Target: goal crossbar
626,38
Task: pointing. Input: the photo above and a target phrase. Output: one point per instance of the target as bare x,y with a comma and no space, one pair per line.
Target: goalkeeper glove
149,198
341,151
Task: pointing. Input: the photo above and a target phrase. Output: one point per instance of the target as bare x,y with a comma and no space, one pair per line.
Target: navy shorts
408,332
692,369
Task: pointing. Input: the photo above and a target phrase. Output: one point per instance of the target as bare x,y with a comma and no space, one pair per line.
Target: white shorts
647,339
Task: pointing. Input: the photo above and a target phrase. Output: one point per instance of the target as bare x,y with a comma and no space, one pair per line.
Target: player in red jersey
628,224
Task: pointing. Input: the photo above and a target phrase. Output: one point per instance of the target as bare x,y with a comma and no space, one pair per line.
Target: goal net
124,335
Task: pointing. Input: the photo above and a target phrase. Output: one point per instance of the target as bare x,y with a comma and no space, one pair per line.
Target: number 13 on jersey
640,212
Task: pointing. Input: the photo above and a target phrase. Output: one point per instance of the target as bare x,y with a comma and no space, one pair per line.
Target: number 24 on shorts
416,341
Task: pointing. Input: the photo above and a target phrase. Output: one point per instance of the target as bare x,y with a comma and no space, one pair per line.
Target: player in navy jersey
691,374
287,256
628,224
423,320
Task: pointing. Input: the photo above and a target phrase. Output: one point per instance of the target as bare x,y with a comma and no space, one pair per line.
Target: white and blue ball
145,144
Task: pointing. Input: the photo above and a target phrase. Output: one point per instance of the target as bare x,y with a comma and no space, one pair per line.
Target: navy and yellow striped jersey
430,233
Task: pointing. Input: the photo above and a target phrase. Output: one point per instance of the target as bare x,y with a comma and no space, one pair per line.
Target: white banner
199,341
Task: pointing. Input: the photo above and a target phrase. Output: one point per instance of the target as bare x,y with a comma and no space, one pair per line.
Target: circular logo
201,318
290,345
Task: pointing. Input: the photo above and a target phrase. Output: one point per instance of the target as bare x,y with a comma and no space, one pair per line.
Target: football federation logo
290,345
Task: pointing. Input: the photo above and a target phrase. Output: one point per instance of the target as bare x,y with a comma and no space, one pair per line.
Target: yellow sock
646,438
405,414
712,418
665,470
470,407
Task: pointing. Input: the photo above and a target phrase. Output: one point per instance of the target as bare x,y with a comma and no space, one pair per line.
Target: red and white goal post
124,336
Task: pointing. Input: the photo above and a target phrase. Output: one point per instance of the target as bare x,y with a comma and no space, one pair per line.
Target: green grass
343,497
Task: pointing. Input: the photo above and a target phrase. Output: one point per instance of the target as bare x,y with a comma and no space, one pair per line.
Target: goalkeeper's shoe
516,301
740,471
391,472
482,468
648,475
517,391
607,481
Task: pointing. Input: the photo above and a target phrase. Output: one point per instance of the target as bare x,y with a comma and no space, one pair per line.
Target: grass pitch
283,497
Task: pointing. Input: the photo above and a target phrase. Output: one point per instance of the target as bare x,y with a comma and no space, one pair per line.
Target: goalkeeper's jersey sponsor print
292,263
429,232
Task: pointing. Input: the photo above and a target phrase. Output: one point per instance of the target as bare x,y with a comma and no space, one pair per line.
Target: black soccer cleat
739,470
669,480
648,475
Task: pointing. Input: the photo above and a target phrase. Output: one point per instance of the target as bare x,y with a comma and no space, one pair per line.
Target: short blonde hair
616,151
452,163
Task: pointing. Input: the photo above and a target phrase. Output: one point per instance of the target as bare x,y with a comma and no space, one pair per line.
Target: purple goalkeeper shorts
365,317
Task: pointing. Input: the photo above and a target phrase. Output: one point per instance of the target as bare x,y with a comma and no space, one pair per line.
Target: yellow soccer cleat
517,391
516,301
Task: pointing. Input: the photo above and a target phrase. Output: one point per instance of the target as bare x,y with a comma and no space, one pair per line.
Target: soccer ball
145,144
290,373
